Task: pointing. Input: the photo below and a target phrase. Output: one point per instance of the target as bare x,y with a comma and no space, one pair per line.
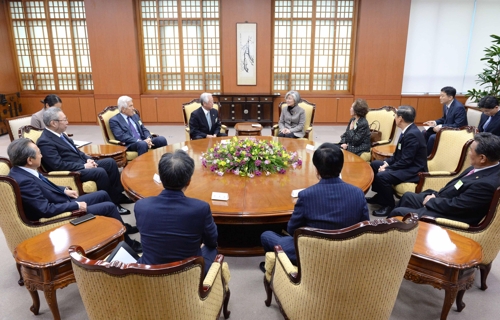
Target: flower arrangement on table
249,157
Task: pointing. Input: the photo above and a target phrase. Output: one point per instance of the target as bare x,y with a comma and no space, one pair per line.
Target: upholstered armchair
188,108
350,273
310,109
174,290
385,117
473,116
5,166
486,233
108,136
15,123
61,178
447,160
13,220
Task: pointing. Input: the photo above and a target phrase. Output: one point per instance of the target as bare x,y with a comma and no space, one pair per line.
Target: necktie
63,138
132,128
53,186
486,123
470,172
209,121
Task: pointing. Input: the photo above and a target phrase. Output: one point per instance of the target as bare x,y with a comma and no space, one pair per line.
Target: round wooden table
248,129
101,151
254,203
383,152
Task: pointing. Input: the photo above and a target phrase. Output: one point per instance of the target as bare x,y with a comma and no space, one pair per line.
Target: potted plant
489,79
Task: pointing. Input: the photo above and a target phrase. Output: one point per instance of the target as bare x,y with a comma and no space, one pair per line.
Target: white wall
446,39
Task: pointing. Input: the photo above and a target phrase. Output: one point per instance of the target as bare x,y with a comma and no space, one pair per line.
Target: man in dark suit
204,121
127,127
61,154
490,119
173,226
454,115
408,160
467,197
43,199
329,204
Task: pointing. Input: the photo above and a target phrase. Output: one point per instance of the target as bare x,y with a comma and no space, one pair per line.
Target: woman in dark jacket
356,138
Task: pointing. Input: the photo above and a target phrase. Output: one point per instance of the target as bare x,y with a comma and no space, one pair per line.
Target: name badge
459,184
140,122
399,146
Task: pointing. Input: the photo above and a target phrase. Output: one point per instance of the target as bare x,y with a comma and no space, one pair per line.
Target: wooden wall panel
102,103
343,109
170,109
429,108
149,113
326,109
379,103
9,82
381,47
71,108
87,110
114,49
31,104
232,12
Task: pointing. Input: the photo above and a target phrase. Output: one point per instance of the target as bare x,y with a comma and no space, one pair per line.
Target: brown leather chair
13,220
486,233
174,290
350,273
310,109
188,108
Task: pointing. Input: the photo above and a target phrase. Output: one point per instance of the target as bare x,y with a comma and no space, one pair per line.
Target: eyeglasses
63,120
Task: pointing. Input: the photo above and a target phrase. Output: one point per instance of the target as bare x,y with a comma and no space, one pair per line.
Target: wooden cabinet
235,108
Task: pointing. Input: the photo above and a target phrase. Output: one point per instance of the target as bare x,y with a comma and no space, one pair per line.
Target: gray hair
408,113
204,97
123,102
295,95
19,151
51,114
175,169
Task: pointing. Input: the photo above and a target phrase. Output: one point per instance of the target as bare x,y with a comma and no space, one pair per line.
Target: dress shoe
130,229
126,200
262,266
136,246
382,212
372,200
122,210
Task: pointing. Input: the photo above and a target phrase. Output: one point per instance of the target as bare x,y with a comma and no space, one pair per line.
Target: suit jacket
173,226
493,126
293,121
37,119
456,117
470,201
122,132
410,156
40,200
198,125
329,204
358,139
58,155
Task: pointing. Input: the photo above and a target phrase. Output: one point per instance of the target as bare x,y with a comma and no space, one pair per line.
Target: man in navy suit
61,154
329,204
43,199
454,115
127,127
408,160
204,121
490,119
467,197
172,226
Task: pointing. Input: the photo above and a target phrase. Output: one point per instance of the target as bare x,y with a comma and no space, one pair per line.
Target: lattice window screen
51,45
313,44
181,45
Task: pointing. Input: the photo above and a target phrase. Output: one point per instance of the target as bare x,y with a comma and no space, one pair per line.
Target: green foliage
489,79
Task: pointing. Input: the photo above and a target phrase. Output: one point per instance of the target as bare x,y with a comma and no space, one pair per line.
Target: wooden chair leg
21,280
460,303
269,292
226,302
485,270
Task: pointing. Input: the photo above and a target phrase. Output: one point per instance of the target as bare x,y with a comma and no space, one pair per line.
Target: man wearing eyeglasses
490,119
61,154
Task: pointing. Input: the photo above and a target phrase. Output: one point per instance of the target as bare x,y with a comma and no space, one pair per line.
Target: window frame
313,19
48,25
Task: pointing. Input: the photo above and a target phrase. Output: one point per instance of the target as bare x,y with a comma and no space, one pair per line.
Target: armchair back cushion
15,123
385,116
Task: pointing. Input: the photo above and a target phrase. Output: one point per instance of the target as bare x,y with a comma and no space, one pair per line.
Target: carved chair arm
289,268
60,217
381,142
